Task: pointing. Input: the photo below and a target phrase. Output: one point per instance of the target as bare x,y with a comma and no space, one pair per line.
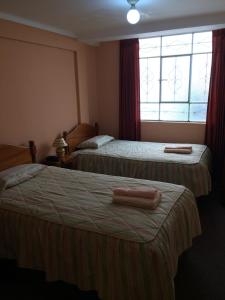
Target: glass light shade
133,16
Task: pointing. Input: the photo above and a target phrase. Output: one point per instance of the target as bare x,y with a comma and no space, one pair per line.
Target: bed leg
33,151
96,128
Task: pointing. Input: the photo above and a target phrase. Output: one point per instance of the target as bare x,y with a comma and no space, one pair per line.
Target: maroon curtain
215,124
129,111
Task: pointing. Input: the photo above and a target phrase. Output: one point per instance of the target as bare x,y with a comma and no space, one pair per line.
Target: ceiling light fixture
133,15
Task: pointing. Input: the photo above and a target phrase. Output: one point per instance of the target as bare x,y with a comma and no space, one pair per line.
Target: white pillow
95,142
18,174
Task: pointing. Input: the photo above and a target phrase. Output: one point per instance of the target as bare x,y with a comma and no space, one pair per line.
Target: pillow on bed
95,142
18,174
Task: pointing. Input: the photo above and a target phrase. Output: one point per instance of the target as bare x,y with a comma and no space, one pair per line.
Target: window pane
168,91
202,42
149,79
149,111
201,68
174,112
176,44
149,47
143,80
198,112
175,78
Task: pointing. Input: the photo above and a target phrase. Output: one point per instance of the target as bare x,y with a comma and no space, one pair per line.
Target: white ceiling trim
161,27
142,30
38,25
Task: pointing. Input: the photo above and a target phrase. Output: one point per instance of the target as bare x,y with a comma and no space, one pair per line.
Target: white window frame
161,57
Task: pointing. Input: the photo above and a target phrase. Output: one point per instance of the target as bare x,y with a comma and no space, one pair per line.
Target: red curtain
129,108
215,124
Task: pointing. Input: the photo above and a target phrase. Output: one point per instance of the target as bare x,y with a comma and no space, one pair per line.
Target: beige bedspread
147,160
63,222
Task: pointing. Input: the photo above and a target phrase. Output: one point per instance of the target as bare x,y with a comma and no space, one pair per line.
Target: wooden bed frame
79,134
11,156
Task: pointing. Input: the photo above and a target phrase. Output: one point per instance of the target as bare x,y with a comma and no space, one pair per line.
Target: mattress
147,160
64,223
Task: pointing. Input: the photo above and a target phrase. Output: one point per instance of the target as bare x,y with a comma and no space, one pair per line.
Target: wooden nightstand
53,160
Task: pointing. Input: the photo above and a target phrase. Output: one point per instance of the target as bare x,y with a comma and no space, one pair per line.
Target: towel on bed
143,192
178,149
138,201
141,197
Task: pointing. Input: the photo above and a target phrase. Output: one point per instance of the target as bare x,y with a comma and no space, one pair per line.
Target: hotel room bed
64,223
145,160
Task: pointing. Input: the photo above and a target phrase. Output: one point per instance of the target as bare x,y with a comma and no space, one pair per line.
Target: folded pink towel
178,151
140,192
179,147
138,202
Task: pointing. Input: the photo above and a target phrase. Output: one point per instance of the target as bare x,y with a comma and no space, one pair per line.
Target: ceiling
100,20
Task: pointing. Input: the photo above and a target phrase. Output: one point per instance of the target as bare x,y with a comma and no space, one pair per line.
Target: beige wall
173,132
108,87
108,99
38,87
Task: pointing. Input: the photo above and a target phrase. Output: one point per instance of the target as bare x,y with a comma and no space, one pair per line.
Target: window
174,77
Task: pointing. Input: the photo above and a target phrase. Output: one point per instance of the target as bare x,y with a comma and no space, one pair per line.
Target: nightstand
53,160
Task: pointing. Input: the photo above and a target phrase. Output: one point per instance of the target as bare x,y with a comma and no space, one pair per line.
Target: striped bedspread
64,222
147,160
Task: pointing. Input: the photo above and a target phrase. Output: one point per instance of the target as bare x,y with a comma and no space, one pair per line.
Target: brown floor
201,271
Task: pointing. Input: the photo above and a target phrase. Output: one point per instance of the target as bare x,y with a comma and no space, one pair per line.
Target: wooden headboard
11,156
79,134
